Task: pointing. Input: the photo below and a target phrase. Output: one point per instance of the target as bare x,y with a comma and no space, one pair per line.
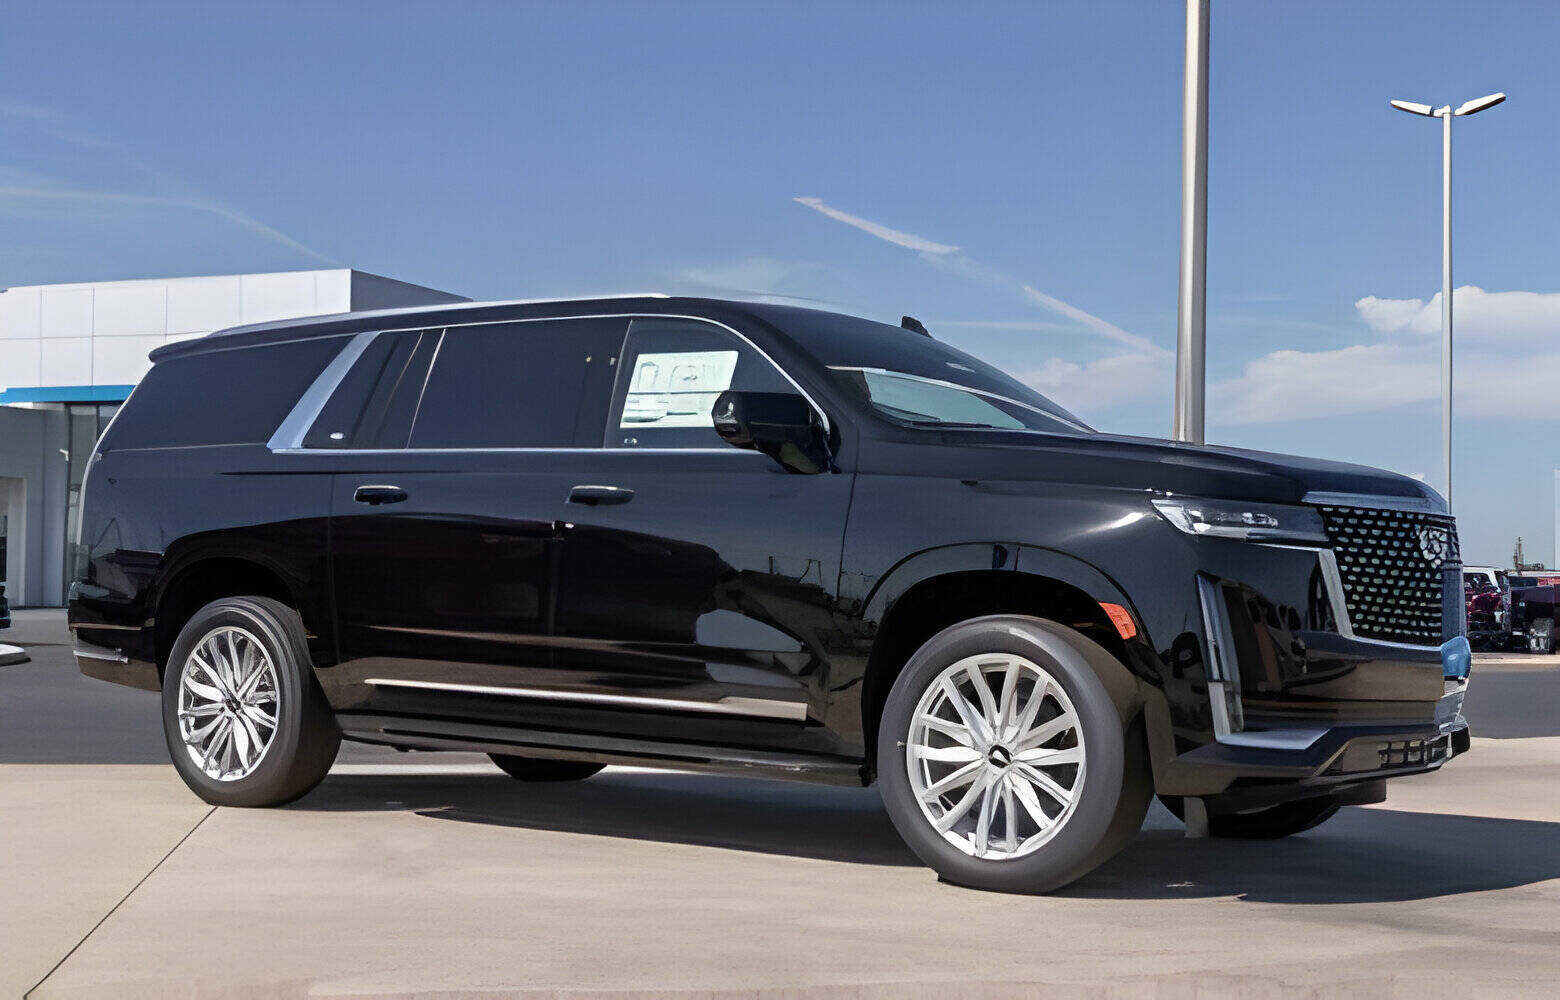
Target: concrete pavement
438,876
656,885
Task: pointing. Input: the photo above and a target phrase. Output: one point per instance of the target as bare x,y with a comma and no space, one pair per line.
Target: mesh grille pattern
1392,585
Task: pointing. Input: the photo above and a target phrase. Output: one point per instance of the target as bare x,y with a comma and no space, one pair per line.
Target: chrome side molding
762,708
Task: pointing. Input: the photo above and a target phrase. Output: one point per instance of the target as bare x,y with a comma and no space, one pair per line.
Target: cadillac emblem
1435,544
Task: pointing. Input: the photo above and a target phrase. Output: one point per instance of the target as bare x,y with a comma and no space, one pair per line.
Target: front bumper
1299,709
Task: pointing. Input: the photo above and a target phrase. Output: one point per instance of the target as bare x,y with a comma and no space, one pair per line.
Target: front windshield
917,381
925,402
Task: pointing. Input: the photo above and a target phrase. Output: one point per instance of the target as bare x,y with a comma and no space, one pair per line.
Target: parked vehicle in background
757,539
1533,616
1488,607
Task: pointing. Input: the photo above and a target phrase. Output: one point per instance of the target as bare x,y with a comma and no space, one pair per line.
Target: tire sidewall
1071,851
270,780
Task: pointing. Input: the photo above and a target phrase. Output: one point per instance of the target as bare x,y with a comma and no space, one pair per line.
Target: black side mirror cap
782,425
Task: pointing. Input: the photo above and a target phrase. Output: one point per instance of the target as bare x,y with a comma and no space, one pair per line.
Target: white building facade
70,354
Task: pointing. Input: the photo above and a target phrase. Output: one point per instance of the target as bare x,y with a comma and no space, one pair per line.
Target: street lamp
1446,114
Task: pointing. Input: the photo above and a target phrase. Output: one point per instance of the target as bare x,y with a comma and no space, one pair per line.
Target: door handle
594,496
376,495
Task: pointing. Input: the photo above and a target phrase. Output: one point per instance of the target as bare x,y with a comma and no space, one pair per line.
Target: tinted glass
343,415
671,372
853,344
518,385
236,396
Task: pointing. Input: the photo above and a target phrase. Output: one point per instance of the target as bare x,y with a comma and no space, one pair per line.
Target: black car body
443,495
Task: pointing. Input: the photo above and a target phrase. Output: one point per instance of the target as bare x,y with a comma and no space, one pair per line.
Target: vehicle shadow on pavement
743,814
1360,856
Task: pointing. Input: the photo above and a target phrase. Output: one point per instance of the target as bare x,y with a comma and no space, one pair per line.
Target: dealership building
70,354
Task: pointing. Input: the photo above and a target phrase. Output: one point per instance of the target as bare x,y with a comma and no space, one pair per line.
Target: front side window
670,374
539,384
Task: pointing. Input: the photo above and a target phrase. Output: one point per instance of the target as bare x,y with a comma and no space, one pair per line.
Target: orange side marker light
1121,618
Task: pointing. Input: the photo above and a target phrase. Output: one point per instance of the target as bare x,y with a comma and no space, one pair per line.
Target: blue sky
1009,173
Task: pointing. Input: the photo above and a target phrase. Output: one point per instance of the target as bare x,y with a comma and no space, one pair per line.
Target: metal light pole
1191,313
1446,114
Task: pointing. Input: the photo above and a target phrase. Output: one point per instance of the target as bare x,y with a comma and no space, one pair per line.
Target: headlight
1247,522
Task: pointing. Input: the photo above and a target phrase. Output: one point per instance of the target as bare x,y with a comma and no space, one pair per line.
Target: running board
425,734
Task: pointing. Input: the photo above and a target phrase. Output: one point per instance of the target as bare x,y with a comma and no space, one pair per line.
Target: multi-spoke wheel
1004,759
245,720
228,703
995,755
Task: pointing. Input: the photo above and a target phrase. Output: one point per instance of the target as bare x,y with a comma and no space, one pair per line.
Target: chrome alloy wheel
229,700
995,756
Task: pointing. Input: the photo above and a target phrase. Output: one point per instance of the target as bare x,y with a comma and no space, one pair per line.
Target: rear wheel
544,769
244,718
1003,759
1271,823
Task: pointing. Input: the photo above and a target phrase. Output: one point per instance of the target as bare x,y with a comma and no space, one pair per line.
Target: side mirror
782,425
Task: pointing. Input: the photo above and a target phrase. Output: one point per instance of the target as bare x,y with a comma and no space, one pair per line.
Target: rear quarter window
236,396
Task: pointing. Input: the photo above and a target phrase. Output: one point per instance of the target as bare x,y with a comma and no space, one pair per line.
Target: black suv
757,539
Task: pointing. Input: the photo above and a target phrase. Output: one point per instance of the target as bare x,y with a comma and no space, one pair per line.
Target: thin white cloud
909,241
948,257
49,120
1108,385
1105,328
86,196
1363,378
1507,316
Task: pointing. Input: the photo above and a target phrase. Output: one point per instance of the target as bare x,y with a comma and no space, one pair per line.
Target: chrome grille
1393,566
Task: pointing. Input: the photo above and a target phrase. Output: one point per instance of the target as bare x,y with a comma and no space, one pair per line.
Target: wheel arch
192,583
934,589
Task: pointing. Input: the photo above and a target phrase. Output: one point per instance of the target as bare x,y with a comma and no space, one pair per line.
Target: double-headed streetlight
1446,114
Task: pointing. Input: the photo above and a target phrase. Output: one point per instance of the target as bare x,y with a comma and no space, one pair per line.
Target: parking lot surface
438,876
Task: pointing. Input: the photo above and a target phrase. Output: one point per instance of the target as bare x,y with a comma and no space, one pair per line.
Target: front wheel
1003,758
245,720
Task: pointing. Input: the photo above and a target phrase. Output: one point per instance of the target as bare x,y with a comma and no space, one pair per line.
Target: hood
1199,470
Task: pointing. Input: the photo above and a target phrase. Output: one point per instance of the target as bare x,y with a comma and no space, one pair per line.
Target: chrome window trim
503,451
298,447
309,406
766,708
1371,501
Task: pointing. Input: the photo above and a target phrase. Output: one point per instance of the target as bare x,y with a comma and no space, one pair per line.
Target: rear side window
539,384
356,409
236,396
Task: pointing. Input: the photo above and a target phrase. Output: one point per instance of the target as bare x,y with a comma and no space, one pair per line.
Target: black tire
544,769
1117,780
305,740
1272,823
